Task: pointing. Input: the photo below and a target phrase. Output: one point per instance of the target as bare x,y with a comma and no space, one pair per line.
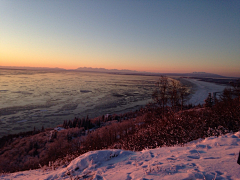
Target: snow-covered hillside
210,158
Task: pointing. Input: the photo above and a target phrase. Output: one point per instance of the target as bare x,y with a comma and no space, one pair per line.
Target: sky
153,36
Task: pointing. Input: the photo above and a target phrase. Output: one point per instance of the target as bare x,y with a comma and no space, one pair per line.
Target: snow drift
210,158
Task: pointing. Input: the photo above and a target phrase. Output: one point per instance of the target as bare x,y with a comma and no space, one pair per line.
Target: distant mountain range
89,69
130,72
117,71
30,68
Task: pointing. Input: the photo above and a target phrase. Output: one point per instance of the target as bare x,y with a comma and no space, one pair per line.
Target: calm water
37,98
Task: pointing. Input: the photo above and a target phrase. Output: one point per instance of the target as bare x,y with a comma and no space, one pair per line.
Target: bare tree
170,92
160,94
209,101
174,93
183,94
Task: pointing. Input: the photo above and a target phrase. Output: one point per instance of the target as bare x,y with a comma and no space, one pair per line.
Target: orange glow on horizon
64,63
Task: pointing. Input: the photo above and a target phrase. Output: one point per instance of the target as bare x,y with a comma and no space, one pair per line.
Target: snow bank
210,158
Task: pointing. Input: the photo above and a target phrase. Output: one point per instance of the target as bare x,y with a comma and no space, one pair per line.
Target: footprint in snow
110,166
129,162
219,173
212,158
196,151
98,177
129,177
152,155
203,146
194,157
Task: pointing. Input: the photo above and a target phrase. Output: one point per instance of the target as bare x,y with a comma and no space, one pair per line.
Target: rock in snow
210,158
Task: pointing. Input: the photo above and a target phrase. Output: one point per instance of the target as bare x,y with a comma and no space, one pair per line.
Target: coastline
199,91
125,95
47,99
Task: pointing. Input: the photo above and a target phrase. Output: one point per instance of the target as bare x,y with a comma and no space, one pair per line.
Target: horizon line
121,70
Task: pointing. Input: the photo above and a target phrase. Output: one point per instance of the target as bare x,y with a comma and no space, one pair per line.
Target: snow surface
210,158
202,89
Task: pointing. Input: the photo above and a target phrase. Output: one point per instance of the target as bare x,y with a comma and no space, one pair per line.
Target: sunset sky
154,36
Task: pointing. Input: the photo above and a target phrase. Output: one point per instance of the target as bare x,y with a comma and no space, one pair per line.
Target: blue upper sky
157,36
